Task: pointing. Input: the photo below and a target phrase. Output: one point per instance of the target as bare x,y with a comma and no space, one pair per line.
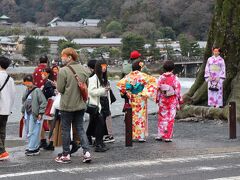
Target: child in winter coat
34,104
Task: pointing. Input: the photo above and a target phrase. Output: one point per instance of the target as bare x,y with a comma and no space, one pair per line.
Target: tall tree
132,42
225,33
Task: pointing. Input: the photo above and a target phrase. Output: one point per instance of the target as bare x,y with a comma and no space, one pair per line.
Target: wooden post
232,120
128,123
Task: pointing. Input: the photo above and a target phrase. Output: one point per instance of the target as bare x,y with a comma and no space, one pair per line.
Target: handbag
92,108
213,87
82,85
112,97
49,107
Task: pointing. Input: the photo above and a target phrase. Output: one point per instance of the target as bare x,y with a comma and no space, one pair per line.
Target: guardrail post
232,120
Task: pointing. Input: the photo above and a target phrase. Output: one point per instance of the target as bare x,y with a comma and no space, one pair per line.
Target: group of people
54,98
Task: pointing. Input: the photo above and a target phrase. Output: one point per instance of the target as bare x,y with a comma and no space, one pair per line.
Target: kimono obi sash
215,68
135,89
167,90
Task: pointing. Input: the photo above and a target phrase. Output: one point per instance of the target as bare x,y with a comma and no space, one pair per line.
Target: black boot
75,147
50,147
43,143
101,148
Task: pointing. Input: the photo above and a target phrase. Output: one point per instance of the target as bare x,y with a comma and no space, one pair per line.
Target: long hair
103,78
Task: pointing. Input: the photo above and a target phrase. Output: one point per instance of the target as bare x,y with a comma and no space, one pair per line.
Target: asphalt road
200,150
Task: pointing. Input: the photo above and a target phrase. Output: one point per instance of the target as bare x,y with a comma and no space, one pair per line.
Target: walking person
215,75
98,90
34,104
138,87
7,94
72,105
169,100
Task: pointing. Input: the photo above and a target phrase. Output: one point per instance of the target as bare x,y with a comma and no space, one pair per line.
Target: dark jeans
76,119
3,123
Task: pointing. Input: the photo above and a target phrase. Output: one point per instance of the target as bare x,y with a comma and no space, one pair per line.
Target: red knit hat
135,55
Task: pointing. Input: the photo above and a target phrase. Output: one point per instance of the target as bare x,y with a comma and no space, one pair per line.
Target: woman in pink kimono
169,100
215,75
138,87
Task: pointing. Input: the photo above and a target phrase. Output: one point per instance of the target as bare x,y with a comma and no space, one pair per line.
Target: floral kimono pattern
169,100
138,99
215,75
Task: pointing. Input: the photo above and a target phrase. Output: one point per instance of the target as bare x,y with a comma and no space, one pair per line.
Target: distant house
163,44
53,40
58,22
5,20
98,42
7,45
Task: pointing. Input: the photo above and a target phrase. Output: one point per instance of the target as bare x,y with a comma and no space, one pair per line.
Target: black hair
43,59
136,65
168,65
216,47
50,72
28,78
4,62
101,76
91,63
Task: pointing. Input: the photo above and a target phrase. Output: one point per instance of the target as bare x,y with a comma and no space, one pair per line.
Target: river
116,107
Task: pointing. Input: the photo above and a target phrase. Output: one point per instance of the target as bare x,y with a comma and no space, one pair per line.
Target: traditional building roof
4,17
58,22
98,41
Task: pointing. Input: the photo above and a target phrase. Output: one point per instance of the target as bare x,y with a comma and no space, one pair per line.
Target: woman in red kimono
169,100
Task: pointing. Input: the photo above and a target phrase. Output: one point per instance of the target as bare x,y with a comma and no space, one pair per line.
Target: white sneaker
87,157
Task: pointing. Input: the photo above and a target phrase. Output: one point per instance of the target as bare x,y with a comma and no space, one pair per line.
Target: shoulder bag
82,85
8,77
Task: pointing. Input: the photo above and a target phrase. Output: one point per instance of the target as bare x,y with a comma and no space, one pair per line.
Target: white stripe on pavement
27,173
131,164
228,178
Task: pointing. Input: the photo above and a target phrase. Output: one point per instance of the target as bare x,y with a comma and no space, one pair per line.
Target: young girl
48,90
98,89
169,100
34,104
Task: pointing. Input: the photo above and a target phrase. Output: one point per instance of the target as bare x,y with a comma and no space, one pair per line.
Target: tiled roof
97,41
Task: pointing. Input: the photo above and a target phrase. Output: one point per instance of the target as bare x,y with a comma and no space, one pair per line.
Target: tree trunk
224,33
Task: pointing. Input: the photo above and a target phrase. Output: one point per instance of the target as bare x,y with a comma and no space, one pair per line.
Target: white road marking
141,163
228,178
27,173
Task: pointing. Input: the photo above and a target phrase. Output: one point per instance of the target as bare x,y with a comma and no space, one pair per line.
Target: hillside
192,17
